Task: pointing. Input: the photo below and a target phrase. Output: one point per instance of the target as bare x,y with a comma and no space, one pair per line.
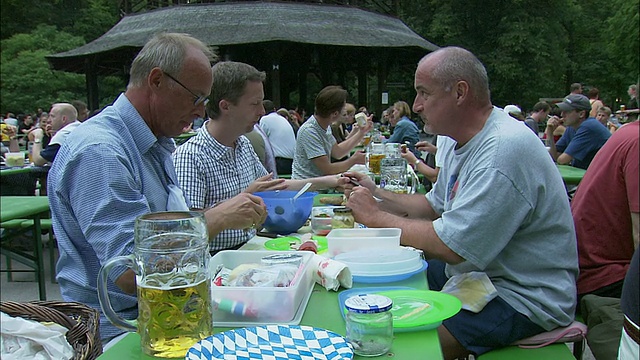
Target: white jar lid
368,303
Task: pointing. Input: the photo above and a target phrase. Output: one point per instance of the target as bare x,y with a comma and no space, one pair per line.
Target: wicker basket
82,321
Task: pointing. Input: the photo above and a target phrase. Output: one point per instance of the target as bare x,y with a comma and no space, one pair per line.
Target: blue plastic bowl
283,216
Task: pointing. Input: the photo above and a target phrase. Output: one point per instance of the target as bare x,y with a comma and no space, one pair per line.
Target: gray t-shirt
313,141
505,211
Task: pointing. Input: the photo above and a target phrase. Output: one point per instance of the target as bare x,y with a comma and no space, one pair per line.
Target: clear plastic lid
368,303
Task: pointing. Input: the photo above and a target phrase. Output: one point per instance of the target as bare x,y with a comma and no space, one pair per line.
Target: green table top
570,174
22,207
323,311
186,135
15,170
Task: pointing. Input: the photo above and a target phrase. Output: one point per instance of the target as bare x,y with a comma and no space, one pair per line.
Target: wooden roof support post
91,79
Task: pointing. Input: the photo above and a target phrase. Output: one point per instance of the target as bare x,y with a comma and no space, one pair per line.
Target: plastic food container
361,119
321,219
381,262
238,306
343,240
14,159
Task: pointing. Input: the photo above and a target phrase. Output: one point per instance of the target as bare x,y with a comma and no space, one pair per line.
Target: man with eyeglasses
118,166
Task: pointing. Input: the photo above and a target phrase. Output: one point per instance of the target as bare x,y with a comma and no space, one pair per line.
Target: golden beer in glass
171,262
366,140
171,320
374,163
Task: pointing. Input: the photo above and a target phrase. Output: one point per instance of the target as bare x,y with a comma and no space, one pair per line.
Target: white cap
512,109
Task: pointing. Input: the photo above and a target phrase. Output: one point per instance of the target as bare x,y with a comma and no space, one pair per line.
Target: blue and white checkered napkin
272,342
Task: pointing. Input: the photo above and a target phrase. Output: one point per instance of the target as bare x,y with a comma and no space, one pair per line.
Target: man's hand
266,183
409,156
362,179
553,124
362,204
359,157
426,146
242,211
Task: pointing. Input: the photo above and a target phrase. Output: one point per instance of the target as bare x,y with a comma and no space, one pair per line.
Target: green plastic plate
413,310
284,243
421,308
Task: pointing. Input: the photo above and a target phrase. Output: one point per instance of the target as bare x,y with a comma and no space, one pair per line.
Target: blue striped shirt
109,171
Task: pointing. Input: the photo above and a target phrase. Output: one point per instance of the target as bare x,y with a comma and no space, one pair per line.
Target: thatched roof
233,23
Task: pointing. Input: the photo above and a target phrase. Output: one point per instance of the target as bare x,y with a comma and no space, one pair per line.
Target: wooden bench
547,345
554,351
23,225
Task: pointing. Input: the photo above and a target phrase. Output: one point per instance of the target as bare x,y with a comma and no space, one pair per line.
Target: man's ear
224,105
155,77
462,91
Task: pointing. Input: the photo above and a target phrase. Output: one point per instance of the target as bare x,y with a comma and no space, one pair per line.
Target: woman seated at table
405,131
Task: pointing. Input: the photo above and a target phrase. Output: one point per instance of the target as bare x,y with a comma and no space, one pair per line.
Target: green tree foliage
96,19
27,80
536,48
531,48
21,16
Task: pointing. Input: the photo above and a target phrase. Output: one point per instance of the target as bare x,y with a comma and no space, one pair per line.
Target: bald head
61,115
449,65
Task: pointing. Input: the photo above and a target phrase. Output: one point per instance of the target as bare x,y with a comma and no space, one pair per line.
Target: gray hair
460,64
229,82
166,51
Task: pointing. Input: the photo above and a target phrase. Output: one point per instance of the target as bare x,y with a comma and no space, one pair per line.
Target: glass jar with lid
342,219
369,324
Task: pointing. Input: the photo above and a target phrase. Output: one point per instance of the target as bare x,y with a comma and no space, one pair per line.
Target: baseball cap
511,109
574,102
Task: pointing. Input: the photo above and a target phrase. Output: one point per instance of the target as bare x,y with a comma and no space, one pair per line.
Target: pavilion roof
235,23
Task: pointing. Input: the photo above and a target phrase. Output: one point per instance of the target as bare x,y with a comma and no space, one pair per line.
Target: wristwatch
415,163
37,141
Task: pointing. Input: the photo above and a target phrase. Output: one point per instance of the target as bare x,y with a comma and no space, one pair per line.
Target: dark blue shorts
497,325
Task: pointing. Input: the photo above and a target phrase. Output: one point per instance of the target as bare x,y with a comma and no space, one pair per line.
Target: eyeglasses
199,100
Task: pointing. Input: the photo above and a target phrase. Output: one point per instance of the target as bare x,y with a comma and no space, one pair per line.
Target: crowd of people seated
479,158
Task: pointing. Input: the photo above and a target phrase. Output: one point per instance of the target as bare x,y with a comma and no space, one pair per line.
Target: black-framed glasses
199,99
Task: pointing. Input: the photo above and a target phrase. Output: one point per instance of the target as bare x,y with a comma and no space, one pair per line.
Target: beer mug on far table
170,260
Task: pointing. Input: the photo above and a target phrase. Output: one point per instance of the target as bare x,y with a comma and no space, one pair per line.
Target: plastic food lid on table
381,262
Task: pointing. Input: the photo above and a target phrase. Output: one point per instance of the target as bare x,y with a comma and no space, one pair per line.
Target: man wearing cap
582,139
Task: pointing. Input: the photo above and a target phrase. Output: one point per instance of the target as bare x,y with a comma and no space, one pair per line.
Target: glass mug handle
414,180
103,293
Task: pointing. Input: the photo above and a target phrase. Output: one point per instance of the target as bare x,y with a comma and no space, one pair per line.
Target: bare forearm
332,168
214,220
552,145
127,282
317,183
35,155
430,173
344,148
419,234
411,206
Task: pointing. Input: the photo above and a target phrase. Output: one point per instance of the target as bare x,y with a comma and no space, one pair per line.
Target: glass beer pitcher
170,260
393,170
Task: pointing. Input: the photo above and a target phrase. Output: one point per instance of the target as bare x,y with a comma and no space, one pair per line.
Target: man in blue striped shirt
118,166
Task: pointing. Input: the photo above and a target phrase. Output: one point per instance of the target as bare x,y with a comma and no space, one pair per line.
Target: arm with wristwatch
430,173
36,135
